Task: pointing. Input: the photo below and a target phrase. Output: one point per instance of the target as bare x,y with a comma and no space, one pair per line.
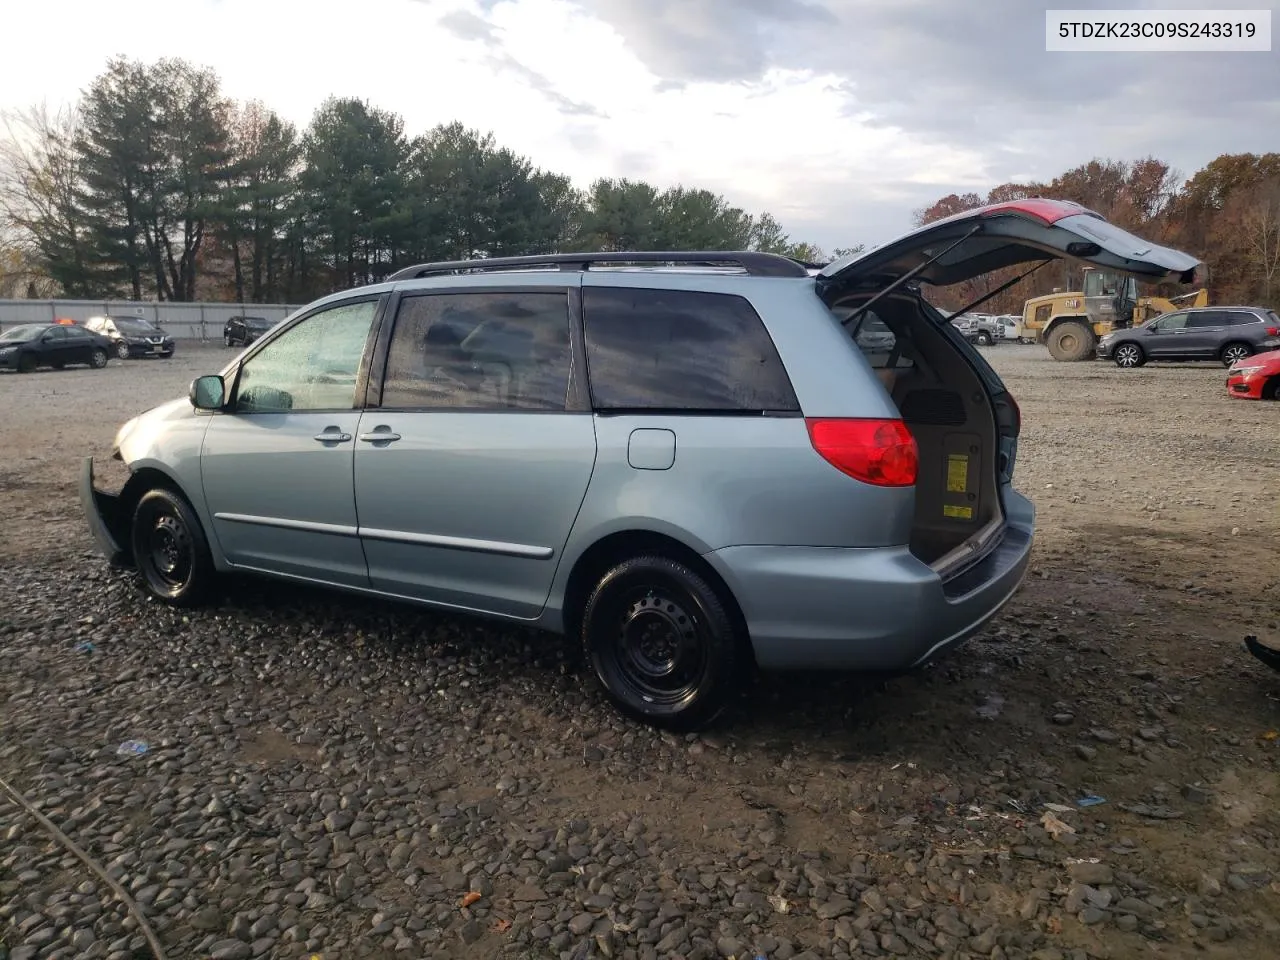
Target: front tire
26,363
1071,342
170,549
227,341
1129,355
984,338
663,643
1271,389
1234,352
122,350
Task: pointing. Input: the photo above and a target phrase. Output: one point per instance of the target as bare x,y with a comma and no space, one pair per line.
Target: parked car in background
241,331
980,328
56,345
133,336
1256,377
1225,334
690,472
1007,326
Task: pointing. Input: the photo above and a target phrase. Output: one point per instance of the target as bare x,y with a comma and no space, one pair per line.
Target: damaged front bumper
102,510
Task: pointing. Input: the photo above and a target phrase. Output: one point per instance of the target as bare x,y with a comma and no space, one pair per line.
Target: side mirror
208,393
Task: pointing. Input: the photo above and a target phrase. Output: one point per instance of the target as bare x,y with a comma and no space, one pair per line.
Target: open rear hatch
965,422
978,241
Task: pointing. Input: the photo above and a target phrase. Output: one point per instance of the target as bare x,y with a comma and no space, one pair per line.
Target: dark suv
1226,334
132,336
242,331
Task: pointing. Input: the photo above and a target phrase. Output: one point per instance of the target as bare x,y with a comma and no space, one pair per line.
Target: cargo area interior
946,407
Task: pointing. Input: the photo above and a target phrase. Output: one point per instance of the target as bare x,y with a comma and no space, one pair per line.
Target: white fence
182,321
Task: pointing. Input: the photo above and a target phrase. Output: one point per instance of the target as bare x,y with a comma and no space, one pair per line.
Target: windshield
257,323
24,332
133,325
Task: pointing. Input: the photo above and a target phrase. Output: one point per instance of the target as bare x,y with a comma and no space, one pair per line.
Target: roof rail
754,262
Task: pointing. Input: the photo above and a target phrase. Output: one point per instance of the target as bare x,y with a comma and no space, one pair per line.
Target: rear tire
663,644
170,549
1071,342
122,350
1233,352
1129,356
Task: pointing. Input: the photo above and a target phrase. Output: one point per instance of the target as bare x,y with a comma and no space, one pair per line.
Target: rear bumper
102,510
875,609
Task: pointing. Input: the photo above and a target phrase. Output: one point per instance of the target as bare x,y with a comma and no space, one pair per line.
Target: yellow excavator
1070,324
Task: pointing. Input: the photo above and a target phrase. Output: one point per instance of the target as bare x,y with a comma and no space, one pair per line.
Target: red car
1256,377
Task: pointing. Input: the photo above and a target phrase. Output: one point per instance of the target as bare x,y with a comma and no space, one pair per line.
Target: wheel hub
660,650
170,549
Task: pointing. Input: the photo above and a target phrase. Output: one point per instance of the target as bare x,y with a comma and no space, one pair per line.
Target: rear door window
681,351
1213,318
480,351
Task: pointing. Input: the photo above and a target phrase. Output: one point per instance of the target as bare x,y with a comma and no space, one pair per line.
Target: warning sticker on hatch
959,513
957,473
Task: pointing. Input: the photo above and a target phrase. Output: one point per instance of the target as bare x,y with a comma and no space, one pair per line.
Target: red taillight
880,452
1273,331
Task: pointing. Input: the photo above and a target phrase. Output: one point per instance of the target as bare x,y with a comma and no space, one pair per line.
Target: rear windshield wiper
998,290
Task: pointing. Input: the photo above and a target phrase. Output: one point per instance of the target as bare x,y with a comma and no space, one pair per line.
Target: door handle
379,436
332,436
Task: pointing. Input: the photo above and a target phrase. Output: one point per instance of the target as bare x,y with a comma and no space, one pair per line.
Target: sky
839,117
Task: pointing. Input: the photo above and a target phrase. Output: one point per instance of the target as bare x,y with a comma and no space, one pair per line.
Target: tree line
156,186
1227,214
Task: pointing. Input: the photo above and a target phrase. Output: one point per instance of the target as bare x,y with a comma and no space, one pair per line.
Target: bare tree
39,177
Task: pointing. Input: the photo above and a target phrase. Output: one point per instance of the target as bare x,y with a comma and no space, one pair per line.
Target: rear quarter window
680,350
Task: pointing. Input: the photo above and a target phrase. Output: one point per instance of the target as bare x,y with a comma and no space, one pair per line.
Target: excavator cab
1110,297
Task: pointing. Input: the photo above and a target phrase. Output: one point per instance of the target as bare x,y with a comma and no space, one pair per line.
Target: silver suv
692,463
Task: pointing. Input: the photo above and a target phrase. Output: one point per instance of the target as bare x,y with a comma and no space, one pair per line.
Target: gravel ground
348,779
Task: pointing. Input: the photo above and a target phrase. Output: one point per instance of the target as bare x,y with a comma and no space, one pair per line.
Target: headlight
1244,371
122,434
5,351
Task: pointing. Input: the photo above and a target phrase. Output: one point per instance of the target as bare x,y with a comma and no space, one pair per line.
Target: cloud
840,117
468,26
975,77
712,40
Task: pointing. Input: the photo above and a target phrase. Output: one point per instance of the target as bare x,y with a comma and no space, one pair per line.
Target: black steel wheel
170,549
98,359
1129,355
663,643
122,350
1234,352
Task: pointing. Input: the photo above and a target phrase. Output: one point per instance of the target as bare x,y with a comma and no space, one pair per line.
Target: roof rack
754,262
